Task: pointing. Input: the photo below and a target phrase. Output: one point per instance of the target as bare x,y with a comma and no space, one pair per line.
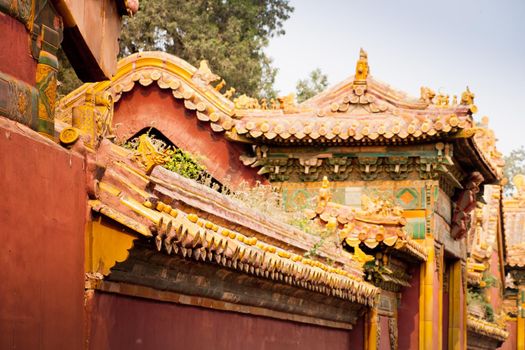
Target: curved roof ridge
190,84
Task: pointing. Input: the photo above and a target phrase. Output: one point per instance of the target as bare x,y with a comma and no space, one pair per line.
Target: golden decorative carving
219,86
93,117
361,69
69,136
442,100
378,223
246,102
427,94
204,73
287,103
229,93
467,99
361,256
325,195
148,155
373,207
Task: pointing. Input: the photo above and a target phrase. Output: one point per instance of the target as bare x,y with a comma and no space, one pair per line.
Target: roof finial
467,99
361,69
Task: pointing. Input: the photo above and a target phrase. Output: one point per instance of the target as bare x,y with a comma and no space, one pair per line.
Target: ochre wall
42,220
120,322
408,313
145,107
15,55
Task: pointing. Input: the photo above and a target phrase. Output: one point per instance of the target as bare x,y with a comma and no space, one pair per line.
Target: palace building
150,208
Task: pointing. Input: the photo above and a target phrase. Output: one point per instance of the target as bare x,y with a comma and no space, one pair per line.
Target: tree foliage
311,86
68,80
230,34
514,165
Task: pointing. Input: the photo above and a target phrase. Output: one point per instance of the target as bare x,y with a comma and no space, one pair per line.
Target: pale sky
445,45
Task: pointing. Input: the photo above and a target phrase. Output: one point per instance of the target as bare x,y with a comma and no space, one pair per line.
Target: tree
514,165
230,34
311,86
67,78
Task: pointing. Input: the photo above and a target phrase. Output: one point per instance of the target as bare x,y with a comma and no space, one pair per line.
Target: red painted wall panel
496,293
145,107
357,335
408,314
512,342
42,220
384,341
15,55
120,322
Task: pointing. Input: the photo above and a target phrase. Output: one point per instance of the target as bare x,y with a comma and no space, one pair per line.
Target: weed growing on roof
184,164
265,199
180,162
477,295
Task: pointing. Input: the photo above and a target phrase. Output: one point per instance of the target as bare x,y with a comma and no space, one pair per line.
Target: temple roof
377,224
355,114
179,216
359,111
364,111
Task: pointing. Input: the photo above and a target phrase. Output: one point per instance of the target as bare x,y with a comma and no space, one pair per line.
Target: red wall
145,107
120,322
42,220
408,314
15,55
384,341
512,342
357,334
495,293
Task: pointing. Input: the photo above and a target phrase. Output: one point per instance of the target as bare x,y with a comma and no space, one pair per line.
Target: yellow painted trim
520,333
426,306
371,329
455,309
422,308
162,62
463,291
106,244
440,298
407,214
